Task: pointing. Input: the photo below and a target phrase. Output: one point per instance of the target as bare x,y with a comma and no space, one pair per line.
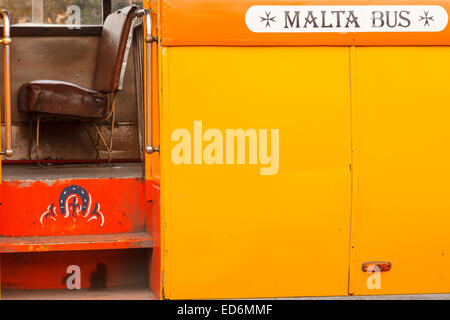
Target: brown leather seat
63,99
60,98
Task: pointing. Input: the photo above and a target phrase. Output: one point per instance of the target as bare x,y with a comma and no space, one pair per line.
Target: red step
75,243
76,200
132,293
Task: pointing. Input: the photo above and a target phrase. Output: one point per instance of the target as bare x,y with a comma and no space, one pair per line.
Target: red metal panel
153,227
72,207
98,269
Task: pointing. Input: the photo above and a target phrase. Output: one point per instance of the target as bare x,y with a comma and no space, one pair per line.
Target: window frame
83,31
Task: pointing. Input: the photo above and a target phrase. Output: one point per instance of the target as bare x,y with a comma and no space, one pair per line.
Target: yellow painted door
401,140
235,229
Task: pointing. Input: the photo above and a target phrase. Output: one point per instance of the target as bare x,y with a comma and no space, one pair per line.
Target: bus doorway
77,206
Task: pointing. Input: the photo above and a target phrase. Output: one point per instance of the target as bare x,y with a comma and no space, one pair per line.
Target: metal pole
6,41
148,80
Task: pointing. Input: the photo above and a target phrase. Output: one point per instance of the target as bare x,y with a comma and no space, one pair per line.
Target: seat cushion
63,99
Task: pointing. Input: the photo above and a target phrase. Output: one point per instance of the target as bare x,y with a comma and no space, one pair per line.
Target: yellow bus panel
235,230
401,196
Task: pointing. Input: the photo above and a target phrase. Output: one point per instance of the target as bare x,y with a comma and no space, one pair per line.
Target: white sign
342,19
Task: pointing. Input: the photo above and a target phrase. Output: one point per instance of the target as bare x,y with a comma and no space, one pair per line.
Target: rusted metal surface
70,141
76,243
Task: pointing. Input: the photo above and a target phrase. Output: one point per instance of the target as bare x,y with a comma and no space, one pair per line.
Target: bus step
75,243
127,293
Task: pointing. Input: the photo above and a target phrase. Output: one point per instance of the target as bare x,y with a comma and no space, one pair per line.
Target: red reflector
376,266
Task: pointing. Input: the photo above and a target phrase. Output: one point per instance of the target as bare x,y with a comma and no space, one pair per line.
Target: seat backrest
113,51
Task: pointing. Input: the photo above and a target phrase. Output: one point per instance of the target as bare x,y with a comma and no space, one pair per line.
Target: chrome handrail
149,39
6,41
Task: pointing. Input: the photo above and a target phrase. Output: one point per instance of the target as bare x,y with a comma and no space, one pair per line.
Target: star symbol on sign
426,18
267,19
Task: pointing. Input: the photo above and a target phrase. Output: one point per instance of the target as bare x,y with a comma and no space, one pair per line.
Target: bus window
54,12
117,4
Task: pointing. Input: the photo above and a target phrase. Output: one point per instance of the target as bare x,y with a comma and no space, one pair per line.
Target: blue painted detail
67,192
